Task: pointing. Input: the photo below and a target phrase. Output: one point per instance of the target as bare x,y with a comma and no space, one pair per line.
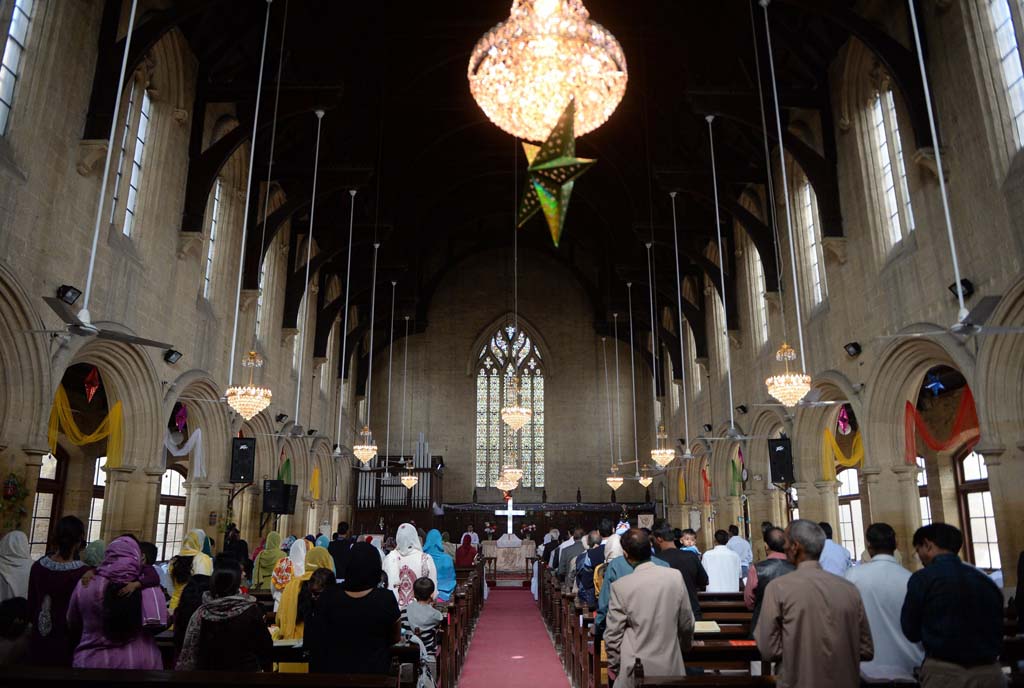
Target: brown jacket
813,622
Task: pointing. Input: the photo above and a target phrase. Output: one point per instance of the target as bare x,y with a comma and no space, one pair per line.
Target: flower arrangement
12,504
528,530
489,529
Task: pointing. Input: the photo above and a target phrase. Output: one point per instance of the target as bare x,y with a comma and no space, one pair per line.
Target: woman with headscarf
94,552
191,598
50,585
406,563
15,565
288,568
465,555
264,563
227,632
289,620
443,564
112,636
322,541
450,548
190,560
339,646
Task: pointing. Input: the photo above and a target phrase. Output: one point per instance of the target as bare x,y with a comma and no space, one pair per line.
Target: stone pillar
943,495
807,500
705,539
894,500
730,511
828,502
130,501
247,513
1005,473
678,515
759,506
196,513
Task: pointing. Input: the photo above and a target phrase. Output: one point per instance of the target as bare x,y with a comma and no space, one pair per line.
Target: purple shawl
123,561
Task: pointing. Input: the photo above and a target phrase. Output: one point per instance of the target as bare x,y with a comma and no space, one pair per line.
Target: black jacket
694,575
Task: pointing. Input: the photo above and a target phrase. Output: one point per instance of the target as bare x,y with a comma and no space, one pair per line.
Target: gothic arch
473,358
267,447
201,395
767,423
24,404
896,379
1000,374
721,455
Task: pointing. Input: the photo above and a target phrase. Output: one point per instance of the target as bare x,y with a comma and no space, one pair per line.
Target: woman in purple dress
110,622
51,582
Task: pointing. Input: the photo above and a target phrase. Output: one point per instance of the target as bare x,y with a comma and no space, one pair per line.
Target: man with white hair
813,623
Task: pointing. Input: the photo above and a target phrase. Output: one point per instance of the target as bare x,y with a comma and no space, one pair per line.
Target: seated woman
465,555
190,560
442,563
337,645
227,631
111,623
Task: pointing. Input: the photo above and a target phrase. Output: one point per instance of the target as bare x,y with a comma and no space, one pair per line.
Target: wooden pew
48,677
705,681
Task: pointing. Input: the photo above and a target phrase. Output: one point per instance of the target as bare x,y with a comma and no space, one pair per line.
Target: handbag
154,609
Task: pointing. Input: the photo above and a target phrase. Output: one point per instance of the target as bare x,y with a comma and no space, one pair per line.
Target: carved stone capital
90,153
925,159
249,298
834,249
774,301
180,116
288,335
189,244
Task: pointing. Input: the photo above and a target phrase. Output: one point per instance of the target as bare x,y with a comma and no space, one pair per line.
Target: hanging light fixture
614,480
523,72
663,455
505,484
510,467
248,400
368,448
645,477
514,414
409,479
789,388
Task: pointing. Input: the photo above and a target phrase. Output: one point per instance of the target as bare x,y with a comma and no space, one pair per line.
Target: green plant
12,502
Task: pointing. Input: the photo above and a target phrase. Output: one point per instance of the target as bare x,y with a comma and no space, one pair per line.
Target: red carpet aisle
511,647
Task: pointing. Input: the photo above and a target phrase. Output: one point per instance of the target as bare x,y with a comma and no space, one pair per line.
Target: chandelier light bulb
614,480
645,477
366,450
524,71
514,414
249,400
662,455
789,388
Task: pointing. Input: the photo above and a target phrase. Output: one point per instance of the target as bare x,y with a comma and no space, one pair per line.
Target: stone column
130,501
730,510
705,539
894,500
807,500
759,506
1005,475
196,513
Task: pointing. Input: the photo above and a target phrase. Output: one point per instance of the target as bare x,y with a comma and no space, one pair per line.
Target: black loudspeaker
780,458
293,492
243,459
274,496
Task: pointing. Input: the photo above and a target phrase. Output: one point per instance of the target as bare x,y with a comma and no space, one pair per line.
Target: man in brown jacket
813,622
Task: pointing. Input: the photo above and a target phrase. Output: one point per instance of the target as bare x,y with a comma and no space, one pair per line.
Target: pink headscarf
123,561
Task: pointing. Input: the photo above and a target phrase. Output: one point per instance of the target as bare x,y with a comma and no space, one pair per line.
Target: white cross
510,512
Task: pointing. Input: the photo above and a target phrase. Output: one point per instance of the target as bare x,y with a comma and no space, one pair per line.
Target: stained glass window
509,353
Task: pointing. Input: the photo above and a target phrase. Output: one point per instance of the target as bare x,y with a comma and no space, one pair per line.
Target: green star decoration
553,169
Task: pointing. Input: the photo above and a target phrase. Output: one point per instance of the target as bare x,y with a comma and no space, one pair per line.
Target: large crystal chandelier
248,400
510,468
789,388
614,480
662,455
367,449
515,415
523,72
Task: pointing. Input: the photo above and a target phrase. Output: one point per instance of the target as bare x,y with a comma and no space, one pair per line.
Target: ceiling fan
971,326
81,327
811,399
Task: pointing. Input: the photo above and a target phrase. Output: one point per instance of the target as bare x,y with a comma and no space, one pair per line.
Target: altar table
510,559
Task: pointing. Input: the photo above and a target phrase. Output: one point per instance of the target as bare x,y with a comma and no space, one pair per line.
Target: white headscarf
15,564
613,548
297,555
407,540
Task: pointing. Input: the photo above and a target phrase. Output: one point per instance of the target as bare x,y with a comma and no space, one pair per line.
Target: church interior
280,265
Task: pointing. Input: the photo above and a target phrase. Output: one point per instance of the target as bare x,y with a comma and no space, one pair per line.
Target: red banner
966,421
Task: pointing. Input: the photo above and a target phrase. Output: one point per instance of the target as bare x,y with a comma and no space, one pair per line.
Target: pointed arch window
897,214
810,243
509,352
132,148
211,249
1006,54
14,54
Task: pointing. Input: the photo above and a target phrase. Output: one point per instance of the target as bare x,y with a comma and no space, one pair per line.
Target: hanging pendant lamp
645,477
367,448
614,480
789,388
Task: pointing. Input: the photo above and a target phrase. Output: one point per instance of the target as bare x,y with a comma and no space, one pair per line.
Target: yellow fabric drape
682,486
110,429
316,558
314,483
832,454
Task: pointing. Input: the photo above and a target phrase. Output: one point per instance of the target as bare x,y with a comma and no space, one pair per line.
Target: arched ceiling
437,181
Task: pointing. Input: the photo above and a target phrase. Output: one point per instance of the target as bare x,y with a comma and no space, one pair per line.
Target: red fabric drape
966,420
707,485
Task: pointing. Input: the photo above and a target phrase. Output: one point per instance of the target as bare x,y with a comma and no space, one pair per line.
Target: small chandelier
511,469
789,388
368,449
524,71
506,484
409,479
645,477
663,455
515,415
614,480
248,400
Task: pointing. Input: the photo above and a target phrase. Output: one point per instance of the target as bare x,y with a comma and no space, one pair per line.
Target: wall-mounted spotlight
966,285
311,431
853,349
742,408
172,356
707,427
281,417
68,294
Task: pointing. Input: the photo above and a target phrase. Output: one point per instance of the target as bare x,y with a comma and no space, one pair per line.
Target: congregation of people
820,618
348,599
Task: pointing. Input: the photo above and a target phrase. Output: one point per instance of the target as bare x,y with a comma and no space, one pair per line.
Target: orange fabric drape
966,420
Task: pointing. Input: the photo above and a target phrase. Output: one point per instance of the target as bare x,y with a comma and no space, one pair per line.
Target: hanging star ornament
553,169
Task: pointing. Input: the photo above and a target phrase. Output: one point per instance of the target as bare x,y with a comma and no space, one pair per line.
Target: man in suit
649,616
567,554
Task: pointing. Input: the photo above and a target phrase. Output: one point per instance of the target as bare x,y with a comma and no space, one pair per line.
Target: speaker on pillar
274,496
243,459
780,459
